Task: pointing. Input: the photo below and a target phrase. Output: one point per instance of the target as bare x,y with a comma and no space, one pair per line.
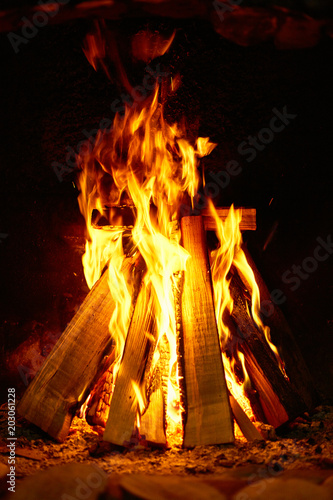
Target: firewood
281,332
66,377
137,353
279,401
208,415
249,431
152,421
127,215
247,223
99,404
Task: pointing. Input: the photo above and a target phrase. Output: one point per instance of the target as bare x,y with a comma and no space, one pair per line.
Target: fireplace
265,110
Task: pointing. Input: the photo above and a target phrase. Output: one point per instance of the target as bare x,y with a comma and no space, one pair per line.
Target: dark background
50,93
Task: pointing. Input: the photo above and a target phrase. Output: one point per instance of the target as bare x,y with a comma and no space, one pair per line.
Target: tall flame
229,253
152,164
149,165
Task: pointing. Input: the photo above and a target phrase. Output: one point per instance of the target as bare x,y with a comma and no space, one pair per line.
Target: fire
147,45
228,254
151,167
152,164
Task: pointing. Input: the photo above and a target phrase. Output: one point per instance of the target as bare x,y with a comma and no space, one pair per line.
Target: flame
94,46
152,164
147,45
229,253
248,277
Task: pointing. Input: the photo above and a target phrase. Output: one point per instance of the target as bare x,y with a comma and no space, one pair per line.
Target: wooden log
153,421
279,401
295,365
99,405
137,352
66,377
248,222
208,415
112,215
250,432
152,425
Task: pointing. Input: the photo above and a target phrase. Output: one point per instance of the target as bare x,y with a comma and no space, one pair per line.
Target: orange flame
227,254
153,167
94,47
147,45
153,164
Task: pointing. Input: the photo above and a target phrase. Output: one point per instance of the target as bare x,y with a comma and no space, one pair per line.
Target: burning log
296,367
279,401
111,216
99,405
138,351
66,377
248,222
151,429
250,432
208,416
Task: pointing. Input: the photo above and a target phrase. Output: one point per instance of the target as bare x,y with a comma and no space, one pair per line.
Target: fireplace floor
304,447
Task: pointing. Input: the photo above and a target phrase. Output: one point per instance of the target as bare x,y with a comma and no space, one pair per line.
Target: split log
99,404
248,222
152,424
279,401
208,415
113,215
153,421
66,377
296,367
250,432
136,357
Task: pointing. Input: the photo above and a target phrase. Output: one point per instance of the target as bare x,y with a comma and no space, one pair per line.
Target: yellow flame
228,253
147,45
247,274
152,164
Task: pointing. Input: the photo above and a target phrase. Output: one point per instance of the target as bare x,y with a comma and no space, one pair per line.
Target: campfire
169,347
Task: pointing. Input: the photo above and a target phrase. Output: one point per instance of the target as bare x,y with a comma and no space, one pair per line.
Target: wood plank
208,415
137,352
279,401
153,420
250,432
152,425
69,372
112,215
248,222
